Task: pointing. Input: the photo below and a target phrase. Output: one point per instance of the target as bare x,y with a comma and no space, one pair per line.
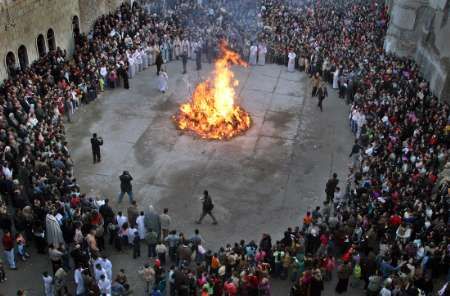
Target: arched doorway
10,62
23,57
41,45
75,26
51,40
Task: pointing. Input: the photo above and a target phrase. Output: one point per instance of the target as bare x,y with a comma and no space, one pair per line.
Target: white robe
336,79
53,231
105,287
121,220
131,67
106,265
262,50
138,60
186,48
141,226
144,58
291,62
98,273
163,81
48,285
79,281
131,235
253,52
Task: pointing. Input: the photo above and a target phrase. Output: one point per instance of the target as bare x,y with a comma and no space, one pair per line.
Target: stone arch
23,57
10,62
40,43
51,42
75,25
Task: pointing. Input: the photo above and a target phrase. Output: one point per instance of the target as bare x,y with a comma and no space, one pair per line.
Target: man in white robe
262,51
131,66
185,47
53,230
141,225
79,281
253,53
121,219
99,271
163,81
138,60
104,285
48,284
291,61
336,78
144,58
106,265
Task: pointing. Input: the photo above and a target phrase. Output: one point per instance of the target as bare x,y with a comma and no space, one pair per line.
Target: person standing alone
125,186
322,93
207,208
96,142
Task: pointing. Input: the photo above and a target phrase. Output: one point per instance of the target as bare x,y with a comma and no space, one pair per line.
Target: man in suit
96,142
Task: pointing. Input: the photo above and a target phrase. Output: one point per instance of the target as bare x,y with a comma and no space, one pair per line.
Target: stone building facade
421,29
29,28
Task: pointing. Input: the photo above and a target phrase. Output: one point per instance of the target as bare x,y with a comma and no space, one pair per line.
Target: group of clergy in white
102,275
258,52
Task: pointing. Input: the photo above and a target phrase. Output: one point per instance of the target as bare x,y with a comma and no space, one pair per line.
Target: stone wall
21,21
420,29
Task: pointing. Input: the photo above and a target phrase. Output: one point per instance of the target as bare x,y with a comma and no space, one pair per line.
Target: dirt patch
166,105
280,119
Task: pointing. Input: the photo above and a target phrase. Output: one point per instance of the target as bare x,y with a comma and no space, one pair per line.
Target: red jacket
8,242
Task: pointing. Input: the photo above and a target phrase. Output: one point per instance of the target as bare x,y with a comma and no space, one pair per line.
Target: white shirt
121,220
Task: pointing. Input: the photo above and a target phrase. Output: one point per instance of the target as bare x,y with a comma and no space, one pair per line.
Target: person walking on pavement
184,58
159,62
322,93
96,142
125,186
330,187
208,206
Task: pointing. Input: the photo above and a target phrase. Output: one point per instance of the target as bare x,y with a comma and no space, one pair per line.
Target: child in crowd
21,247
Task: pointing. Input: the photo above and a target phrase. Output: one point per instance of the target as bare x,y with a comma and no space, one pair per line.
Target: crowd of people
384,227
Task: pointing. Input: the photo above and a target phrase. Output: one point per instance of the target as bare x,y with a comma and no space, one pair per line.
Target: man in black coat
96,142
184,58
207,208
198,58
159,62
322,93
125,186
107,213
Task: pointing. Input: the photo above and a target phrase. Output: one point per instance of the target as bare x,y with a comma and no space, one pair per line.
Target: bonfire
212,112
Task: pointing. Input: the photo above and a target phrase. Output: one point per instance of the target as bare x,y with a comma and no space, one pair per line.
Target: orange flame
211,113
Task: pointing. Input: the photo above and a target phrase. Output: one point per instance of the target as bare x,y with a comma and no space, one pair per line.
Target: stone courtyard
261,182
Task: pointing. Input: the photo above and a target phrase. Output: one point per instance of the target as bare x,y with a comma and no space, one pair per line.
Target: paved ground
262,181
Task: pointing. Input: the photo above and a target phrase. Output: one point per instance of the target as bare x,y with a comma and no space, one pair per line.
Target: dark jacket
125,183
96,143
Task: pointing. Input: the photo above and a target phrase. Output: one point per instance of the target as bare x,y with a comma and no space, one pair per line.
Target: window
10,61
51,40
23,57
41,45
